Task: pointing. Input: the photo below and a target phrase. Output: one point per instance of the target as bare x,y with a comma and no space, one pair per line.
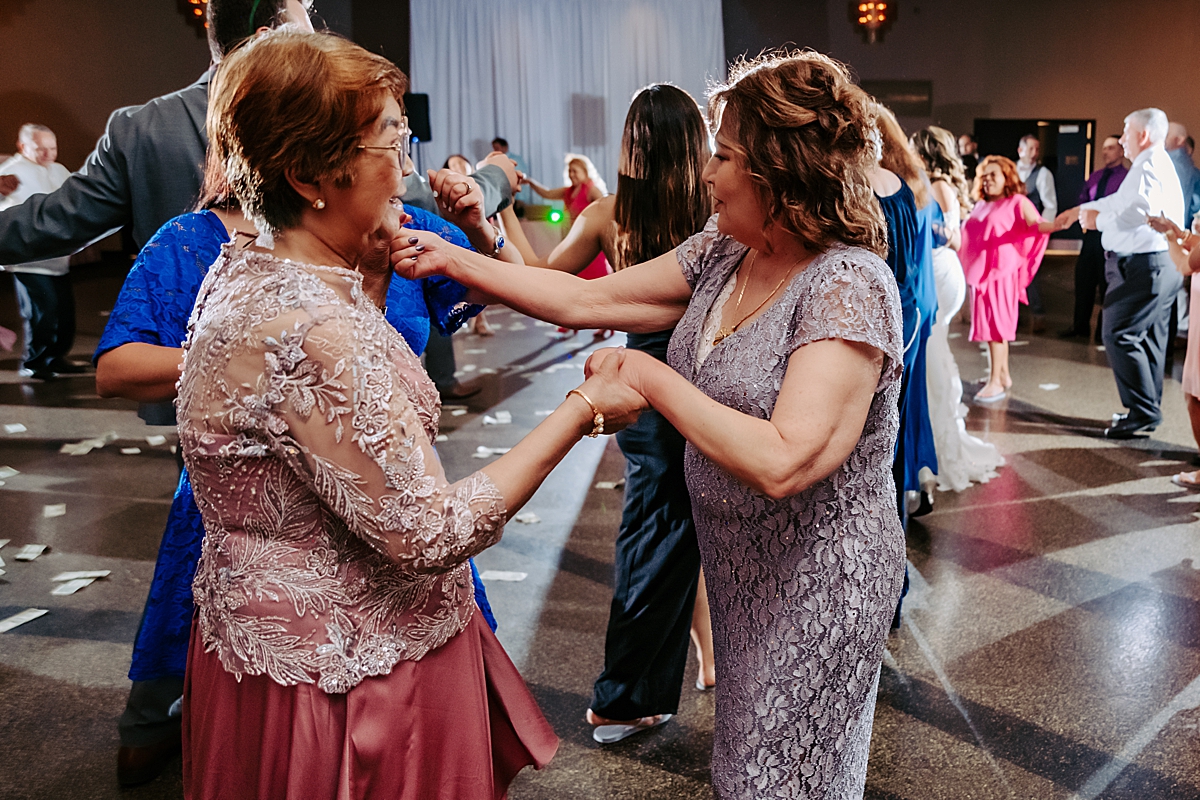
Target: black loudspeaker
417,108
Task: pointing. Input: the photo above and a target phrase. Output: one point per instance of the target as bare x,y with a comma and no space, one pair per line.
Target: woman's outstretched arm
545,191
817,421
641,299
581,246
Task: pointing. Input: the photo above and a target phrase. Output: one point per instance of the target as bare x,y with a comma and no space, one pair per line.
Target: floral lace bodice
334,546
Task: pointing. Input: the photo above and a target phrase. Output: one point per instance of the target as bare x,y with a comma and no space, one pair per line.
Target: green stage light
554,216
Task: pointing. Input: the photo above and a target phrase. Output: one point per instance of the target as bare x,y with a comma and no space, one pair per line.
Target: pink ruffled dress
1191,362
576,200
1000,254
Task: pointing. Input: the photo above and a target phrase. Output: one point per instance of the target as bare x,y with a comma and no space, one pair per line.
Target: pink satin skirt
457,725
597,269
994,310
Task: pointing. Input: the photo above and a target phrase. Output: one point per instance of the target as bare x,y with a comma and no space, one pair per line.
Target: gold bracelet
597,417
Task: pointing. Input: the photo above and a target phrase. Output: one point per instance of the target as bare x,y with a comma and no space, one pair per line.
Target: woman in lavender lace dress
787,358
335,650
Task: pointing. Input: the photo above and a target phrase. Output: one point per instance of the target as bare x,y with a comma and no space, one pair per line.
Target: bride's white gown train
962,458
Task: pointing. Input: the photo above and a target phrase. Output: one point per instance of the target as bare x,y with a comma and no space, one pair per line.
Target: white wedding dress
962,458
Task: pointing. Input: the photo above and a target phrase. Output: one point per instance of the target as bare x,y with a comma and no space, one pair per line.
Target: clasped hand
1086,218
610,373
459,199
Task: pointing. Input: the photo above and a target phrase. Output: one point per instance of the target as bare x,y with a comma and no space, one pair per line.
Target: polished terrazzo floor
1050,649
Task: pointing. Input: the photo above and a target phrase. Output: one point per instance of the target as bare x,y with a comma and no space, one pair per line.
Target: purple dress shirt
1103,182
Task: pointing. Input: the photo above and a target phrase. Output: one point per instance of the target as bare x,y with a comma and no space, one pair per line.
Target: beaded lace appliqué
335,546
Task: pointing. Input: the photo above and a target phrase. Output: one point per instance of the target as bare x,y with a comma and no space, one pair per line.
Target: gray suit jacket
147,168
1189,181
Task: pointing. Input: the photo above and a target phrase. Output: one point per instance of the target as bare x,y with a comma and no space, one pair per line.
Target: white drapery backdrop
554,76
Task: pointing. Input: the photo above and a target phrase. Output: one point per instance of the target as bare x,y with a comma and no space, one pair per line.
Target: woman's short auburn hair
293,103
807,139
1012,179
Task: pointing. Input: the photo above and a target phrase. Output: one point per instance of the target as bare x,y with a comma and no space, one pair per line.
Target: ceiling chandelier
873,19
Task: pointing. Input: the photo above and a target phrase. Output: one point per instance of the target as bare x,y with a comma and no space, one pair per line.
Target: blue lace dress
153,308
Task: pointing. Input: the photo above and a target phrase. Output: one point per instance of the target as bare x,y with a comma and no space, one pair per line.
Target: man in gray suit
148,165
146,169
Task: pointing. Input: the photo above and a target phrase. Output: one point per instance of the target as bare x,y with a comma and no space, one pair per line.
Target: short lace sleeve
446,300
853,297
158,294
331,397
696,252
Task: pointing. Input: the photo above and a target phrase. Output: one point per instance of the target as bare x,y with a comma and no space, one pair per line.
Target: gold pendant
721,335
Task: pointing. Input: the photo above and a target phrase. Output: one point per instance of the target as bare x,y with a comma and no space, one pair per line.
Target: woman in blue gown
911,216
153,308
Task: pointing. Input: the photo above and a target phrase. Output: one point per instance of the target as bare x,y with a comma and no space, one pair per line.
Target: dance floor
1050,646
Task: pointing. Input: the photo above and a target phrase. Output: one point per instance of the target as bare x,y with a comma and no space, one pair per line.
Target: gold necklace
727,331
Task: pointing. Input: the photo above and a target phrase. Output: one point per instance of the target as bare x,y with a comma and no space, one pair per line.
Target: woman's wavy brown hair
1012,180
291,103
937,148
803,130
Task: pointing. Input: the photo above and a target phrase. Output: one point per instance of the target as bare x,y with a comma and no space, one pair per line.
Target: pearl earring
318,204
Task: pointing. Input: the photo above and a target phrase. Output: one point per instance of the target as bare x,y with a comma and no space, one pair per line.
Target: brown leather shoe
460,391
138,765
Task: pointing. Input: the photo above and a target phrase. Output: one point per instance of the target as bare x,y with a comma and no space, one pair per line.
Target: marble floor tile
1050,646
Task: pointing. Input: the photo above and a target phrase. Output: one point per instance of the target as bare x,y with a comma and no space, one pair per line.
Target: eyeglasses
402,148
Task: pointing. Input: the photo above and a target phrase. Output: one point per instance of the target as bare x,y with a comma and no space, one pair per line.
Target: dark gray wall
755,25
1065,59
382,26
68,63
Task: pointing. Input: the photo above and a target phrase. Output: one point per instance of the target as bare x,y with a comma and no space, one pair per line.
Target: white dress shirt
1151,188
35,179
1045,187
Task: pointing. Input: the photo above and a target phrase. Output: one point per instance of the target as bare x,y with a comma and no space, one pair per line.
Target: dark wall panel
755,25
382,26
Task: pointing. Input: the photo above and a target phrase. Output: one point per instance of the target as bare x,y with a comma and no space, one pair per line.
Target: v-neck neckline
749,323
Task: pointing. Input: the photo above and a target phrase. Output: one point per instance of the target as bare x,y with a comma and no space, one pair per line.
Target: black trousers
148,718
439,359
1137,313
657,568
1090,284
47,305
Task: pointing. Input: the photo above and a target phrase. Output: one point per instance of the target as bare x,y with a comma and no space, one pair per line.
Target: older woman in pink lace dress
336,650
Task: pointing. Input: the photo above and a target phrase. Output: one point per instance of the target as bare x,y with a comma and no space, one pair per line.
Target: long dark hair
661,200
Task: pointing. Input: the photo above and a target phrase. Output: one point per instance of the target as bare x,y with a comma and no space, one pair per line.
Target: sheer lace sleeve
702,249
331,395
854,298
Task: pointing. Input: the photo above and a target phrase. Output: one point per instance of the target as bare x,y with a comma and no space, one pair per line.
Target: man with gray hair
1189,175
1142,281
45,296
